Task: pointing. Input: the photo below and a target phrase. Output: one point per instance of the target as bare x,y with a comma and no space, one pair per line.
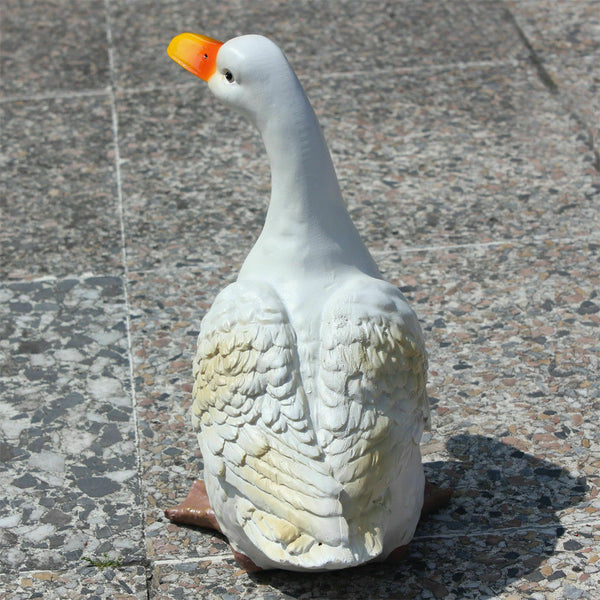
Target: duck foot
196,510
246,563
435,497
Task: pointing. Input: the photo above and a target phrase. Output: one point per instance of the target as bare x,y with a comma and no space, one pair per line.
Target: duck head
248,73
307,214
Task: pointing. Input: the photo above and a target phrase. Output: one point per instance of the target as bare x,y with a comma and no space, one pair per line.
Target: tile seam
534,57
58,95
538,61
224,556
538,241
114,89
192,559
460,66
121,212
499,530
473,533
54,278
535,240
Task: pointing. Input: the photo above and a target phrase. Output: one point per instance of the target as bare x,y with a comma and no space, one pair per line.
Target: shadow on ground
500,526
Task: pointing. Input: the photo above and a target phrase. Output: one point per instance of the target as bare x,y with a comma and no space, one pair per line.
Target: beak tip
195,53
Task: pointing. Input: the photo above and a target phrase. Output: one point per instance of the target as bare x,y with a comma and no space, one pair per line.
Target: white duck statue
309,397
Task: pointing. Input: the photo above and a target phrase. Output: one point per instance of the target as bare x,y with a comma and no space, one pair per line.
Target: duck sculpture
309,398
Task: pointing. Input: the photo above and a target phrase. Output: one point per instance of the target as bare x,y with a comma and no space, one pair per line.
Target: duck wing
264,470
374,403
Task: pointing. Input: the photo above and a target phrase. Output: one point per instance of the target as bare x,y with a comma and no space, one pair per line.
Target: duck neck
307,227
304,187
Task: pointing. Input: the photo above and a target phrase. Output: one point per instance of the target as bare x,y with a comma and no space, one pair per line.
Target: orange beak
196,53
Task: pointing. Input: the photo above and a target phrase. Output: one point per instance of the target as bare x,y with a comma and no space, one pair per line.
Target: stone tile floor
465,134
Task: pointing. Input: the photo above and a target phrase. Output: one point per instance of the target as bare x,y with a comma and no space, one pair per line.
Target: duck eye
228,75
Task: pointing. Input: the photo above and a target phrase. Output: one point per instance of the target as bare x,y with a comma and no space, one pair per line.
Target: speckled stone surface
53,47
342,36
480,176
565,38
68,440
124,583
465,138
59,205
172,218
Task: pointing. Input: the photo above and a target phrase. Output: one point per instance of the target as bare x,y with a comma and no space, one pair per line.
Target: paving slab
578,79
421,33
53,47
559,26
516,364
313,35
565,37
85,583
68,441
517,318
461,156
197,198
59,207
164,331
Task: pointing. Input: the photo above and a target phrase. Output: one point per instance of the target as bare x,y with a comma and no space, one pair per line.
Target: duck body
309,397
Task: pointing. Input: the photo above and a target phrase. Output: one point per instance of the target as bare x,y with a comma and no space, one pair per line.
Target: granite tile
68,443
421,33
565,37
313,35
463,156
520,320
493,565
184,124
50,47
571,572
124,583
497,486
58,204
578,79
559,26
141,32
497,564
184,197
